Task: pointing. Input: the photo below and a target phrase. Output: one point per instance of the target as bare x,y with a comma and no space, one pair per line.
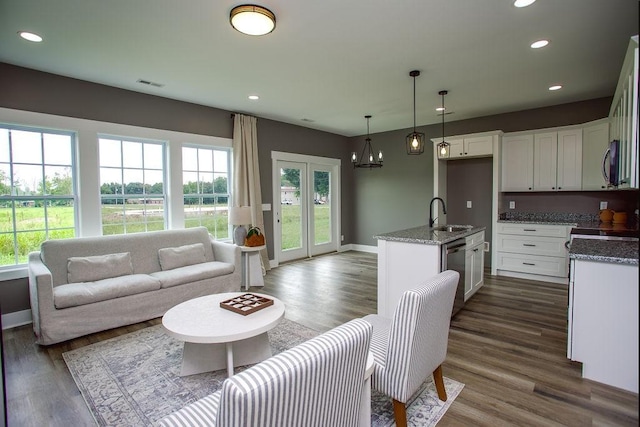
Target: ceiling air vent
147,82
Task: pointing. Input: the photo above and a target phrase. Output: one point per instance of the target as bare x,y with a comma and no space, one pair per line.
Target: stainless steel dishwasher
453,258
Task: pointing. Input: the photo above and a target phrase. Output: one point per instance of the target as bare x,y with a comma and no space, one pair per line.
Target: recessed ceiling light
539,44
252,19
440,109
254,97
556,87
523,3
32,37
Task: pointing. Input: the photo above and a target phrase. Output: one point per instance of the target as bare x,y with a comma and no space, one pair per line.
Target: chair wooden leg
400,413
439,382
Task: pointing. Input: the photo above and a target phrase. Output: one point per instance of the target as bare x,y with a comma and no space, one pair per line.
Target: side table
251,266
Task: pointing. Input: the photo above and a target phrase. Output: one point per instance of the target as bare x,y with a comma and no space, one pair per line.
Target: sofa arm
40,290
226,252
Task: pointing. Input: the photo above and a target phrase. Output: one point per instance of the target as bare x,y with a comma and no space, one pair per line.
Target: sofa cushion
74,294
181,256
193,273
92,268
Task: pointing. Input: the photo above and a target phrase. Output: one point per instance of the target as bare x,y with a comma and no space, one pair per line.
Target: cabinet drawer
541,230
533,264
534,245
474,239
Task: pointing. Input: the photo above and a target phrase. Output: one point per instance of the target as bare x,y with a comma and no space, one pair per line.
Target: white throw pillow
92,268
181,256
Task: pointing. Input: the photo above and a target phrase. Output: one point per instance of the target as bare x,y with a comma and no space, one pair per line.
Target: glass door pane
321,207
293,222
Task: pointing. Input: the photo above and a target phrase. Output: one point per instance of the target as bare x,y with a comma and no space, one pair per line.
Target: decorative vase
239,235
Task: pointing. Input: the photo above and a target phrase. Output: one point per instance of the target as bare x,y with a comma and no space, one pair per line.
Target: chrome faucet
444,210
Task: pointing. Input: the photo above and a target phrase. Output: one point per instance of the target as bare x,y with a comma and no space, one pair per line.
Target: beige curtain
246,174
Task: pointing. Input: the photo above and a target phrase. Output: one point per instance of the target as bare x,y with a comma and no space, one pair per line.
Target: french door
306,206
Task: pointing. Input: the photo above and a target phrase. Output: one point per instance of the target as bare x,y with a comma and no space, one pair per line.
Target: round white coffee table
215,337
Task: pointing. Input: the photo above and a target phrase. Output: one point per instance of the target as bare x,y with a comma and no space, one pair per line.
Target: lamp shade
240,215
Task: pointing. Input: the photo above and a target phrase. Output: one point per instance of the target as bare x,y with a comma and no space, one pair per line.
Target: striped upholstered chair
413,345
317,383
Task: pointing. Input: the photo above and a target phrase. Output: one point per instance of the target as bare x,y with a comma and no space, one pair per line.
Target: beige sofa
85,285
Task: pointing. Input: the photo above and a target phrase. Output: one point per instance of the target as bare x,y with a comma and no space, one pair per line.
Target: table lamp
239,216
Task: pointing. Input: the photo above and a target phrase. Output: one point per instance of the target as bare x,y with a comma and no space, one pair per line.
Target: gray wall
397,196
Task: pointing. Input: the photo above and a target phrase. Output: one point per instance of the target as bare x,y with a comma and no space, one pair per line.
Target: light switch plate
469,203
603,205
512,205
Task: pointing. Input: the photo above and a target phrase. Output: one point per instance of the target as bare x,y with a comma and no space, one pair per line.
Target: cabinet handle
528,263
529,229
529,188
529,244
466,154
553,188
475,250
559,188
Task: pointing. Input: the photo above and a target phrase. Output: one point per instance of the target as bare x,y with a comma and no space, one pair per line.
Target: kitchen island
603,311
407,258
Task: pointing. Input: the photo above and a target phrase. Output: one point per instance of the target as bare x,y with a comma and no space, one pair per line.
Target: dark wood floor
508,346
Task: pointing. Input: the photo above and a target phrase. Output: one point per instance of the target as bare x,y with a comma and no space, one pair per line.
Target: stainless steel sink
450,228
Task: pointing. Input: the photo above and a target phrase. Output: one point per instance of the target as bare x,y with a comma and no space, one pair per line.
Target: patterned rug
133,379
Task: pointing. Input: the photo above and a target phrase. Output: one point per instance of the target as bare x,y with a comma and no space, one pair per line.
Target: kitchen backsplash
570,202
549,217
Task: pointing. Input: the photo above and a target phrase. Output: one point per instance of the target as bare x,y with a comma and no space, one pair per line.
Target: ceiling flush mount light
556,87
415,140
367,159
444,146
523,3
540,43
32,37
252,20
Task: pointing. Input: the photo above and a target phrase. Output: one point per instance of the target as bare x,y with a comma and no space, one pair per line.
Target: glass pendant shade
367,158
415,140
444,148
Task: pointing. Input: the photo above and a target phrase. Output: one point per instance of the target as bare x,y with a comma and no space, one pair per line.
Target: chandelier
367,159
415,140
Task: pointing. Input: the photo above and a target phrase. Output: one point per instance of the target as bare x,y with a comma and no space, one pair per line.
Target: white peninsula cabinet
603,322
533,251
474,264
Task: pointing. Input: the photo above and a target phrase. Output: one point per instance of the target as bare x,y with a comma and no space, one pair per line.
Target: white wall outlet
469,204
603,205
342,238
266,207
512,205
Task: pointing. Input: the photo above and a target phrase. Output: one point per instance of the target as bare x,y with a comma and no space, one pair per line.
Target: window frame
44,198
124,197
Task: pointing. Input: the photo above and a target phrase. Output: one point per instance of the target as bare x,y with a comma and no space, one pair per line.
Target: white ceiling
333,61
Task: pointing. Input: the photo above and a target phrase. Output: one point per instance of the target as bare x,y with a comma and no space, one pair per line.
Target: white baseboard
17,318
344,248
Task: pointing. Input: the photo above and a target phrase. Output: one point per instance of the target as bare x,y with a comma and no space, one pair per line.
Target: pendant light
415,140
444,147
367,159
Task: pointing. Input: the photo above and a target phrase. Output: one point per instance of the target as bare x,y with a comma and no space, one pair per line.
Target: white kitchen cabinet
624,118
542,161
595,141
470,146
603,322
517,163
474,264
533,251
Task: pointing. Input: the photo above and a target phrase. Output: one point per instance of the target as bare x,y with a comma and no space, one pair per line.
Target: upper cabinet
542,161
517,163
624,118
469,146
595,141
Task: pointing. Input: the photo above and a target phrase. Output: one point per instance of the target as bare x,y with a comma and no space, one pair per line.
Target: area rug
133,379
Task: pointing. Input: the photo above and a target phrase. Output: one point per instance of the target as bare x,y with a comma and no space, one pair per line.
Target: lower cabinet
474,264
533,251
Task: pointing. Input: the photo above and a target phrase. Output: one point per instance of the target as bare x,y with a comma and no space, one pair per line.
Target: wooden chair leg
439,382
400,413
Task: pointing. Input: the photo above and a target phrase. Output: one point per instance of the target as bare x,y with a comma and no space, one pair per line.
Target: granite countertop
428,236
611,251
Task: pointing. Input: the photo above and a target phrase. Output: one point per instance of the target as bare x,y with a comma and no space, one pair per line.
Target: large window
132,185
205,180
37,191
